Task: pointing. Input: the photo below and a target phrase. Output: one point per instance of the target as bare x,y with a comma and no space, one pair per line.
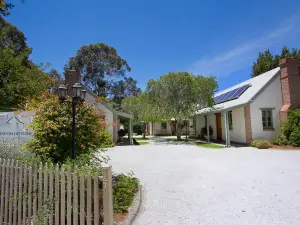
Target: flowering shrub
52,125
124,189
105,139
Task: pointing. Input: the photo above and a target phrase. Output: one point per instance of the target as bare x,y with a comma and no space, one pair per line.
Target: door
219,126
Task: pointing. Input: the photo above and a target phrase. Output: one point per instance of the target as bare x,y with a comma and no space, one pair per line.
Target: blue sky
220,38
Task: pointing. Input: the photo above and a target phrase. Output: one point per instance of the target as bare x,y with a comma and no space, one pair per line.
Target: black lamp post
78,95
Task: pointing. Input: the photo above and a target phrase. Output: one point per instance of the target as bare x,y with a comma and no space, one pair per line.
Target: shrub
204,131
12,149
290,132
264,145
261,144
52,124
86,163
106,140
254,143
124,190
138,129
281,140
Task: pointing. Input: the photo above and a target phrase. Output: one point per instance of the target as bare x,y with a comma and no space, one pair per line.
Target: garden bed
285,147
209,145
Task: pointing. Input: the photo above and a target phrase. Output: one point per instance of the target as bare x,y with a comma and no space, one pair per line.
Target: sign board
14,126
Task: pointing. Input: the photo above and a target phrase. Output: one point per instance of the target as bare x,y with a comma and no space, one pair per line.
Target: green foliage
52,125
11,149
122,89
14,39
204,131
290,132
105,139
124,190
261,144
20,79
139,129
5,7
209,145
98,63
179,95
85,164
267,61
281,140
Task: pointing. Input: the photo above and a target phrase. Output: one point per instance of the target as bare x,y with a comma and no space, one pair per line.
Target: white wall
211,119
238,132
104,110
158,131
200,123
270,97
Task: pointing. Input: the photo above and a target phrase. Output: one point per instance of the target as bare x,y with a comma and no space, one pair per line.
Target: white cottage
254,108
111,116
247,111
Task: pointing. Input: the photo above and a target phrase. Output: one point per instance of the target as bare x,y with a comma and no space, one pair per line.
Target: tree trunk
145,130
186,130
178,129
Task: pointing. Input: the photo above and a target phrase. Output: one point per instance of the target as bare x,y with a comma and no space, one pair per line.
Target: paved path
188,185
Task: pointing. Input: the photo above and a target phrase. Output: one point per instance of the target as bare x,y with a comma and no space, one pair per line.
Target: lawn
209,145
143,142
182,139
141,139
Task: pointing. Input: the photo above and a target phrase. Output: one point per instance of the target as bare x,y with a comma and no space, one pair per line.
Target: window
163,125
267,119
230,120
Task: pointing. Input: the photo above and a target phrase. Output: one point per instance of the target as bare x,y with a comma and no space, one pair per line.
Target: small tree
52,125
140,109
179,95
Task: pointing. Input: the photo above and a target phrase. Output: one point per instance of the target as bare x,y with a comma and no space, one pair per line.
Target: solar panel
230,95
222,97
217,98
239,92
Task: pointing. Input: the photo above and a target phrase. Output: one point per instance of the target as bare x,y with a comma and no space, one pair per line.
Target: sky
216,37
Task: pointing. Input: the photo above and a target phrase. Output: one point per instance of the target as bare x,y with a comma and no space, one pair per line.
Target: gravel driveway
188,185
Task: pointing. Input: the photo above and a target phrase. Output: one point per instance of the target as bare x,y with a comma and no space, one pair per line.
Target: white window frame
267,118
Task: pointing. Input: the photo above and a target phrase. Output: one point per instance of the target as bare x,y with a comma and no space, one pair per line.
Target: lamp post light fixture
78,95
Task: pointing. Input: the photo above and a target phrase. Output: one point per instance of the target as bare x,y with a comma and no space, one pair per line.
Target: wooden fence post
107,195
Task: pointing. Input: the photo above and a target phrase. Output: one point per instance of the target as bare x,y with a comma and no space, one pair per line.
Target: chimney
290,85
72,77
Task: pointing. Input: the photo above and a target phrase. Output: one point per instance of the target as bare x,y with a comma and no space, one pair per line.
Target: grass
141,139
182,139
209,145
143,143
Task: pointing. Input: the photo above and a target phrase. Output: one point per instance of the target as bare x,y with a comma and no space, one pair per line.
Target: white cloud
239,57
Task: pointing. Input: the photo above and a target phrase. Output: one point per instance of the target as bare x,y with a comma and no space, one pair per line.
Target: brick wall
248,127
72,77
290,85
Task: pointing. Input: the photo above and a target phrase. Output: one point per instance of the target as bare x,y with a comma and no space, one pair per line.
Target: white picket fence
49,195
